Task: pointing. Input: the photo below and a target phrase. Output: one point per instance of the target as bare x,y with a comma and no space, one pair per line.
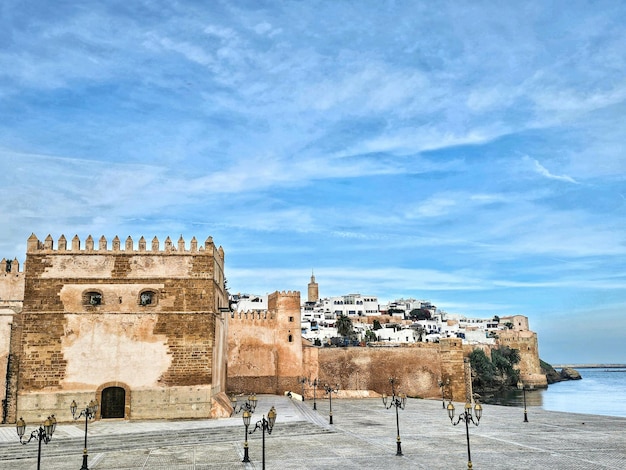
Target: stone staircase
150,440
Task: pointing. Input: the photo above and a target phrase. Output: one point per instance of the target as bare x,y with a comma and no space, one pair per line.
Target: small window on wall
291,338
92,298
147,298
291,319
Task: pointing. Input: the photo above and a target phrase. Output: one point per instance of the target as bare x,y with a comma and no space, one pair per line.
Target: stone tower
138,329
265,347
314,293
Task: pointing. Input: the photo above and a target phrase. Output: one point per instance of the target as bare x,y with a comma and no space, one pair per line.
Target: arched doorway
113,402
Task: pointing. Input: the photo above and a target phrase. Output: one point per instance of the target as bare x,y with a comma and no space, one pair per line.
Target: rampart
140,323
265,347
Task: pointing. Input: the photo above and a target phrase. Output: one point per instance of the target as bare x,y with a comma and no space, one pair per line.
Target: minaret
314,293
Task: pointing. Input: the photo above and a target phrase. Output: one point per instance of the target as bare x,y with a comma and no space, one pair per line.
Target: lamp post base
84,467
399,449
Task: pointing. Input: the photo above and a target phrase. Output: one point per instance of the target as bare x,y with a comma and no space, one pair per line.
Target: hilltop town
148,329
397,321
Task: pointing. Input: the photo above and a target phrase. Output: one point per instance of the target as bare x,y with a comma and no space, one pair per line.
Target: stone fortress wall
263,358
11,301
140,321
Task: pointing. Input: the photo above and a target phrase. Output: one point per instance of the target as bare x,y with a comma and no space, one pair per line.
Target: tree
497,372
482,368
344,326
504,359
376,325
370,336
420,314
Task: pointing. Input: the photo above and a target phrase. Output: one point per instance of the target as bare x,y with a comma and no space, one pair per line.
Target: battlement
288,293
253,315
9,266
34,245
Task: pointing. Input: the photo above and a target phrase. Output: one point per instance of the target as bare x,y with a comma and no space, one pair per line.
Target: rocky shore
553,376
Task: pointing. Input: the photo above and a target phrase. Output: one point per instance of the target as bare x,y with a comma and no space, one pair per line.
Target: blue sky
467,153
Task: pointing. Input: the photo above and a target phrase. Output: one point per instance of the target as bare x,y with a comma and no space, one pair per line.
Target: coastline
590,366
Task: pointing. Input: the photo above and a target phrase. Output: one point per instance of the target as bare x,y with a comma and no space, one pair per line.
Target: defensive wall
134,328
265,347
267,355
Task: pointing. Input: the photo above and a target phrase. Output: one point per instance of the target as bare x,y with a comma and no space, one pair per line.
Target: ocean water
599,392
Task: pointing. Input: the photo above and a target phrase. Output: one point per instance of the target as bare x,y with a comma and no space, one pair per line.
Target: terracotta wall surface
265,348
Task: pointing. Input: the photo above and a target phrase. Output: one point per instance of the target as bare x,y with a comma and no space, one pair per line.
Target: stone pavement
363,436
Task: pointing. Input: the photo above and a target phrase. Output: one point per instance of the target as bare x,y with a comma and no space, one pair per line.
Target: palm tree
344,326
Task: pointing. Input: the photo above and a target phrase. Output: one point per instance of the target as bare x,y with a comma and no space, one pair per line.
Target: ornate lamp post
467,417
246,422
89,413
265,425
330,390
303,381
442,385
43,434
249,405
315,384
399,401
522,386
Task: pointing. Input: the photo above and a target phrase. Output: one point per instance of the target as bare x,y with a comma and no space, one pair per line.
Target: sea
601,391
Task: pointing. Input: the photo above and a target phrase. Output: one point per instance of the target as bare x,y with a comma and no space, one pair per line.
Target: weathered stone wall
11,285
162,352
265,348
417,368
527,344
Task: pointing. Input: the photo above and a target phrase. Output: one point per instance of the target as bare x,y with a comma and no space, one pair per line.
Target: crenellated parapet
9,266
253,315
34,245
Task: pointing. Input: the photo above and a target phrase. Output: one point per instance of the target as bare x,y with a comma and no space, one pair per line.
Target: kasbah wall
177,356
151,346
266,354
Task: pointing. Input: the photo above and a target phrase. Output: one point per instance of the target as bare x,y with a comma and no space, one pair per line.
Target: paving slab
363,436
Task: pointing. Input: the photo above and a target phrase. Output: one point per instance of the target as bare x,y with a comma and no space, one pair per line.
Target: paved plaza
363,436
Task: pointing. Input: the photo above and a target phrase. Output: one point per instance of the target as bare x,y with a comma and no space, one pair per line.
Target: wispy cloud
543,171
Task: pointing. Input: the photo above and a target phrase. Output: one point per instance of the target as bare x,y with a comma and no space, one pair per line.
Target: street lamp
265,425
246,422
249,405
303,381
467,417
89,413
522,386
443,385
399,401
330,390
43,433
315,384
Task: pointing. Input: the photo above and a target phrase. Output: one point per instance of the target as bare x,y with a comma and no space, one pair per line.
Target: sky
466,153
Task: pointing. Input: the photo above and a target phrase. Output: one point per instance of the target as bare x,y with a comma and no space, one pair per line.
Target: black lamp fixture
42,434
248,406
246,422
522,386
89,412
303,381
466,417
399,401
329,391
443,384
314,383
